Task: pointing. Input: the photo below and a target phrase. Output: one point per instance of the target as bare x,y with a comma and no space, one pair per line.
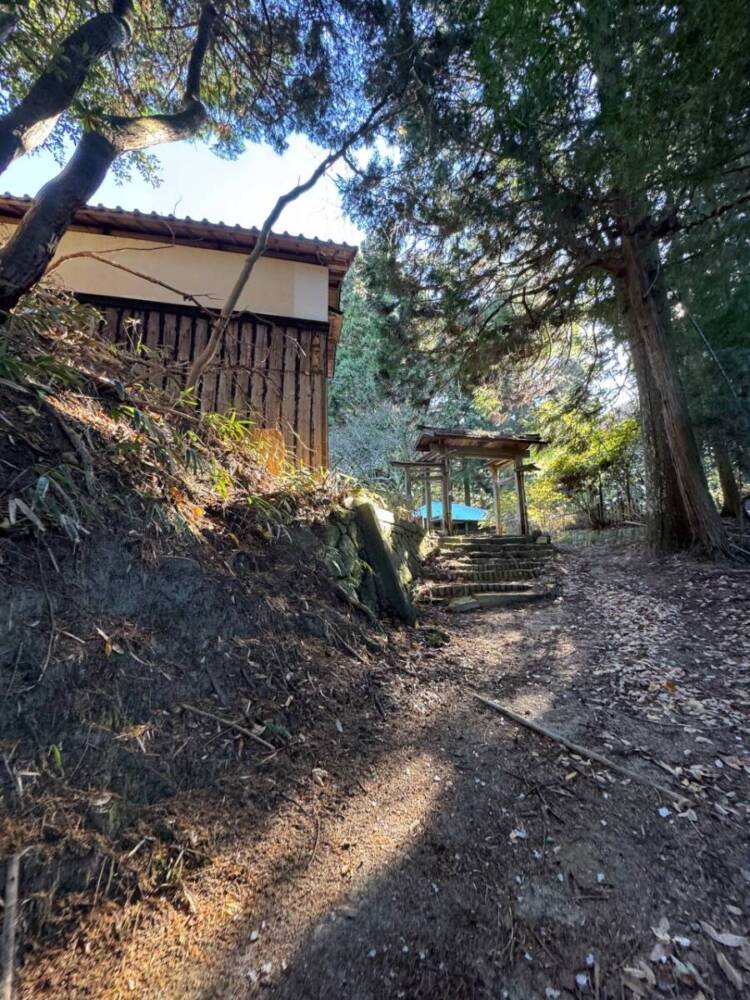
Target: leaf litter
648,664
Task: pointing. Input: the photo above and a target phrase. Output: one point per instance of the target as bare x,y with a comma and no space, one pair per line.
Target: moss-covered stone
392,595
348,552
373,556
333,561
331,533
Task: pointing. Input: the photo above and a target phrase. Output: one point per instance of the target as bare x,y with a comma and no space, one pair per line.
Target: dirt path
430,848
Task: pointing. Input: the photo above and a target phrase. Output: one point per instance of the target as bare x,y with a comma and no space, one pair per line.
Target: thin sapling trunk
730,493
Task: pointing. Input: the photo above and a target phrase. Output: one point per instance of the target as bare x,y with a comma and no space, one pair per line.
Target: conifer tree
557,151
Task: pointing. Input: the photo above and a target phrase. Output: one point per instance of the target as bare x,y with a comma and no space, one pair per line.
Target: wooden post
467,482
445,482
496,501
428,500
407,476
521,492
324,454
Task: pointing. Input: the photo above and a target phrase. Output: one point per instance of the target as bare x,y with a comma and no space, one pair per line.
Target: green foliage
230,427
549,507
591,461
547,138
387,382
222,481
545,127
41,315
275,67
710,277
358,383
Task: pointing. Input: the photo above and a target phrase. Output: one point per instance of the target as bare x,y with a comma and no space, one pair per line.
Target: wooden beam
489,454
416,465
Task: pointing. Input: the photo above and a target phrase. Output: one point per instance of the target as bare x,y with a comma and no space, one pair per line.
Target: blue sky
197,183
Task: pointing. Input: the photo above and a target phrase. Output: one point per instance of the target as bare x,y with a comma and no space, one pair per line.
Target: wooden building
279,351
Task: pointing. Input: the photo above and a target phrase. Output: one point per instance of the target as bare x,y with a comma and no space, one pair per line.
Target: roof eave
337,257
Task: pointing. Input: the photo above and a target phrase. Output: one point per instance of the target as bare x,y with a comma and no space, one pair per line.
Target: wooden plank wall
273,374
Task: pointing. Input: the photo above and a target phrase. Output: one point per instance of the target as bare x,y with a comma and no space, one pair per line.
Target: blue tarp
459,512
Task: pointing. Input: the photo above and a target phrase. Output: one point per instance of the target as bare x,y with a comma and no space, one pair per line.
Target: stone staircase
469,572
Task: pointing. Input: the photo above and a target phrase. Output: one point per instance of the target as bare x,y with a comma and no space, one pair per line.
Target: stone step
480,572
498,551
497,540
494,599
490,539
432,591
450,542
511,558
461,562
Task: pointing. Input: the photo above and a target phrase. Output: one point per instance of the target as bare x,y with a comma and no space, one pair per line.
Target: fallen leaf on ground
726,938
734,977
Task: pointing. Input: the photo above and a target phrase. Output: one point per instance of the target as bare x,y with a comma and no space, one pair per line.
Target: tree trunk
26,255
667,527
730,493
24,258
682,512
628,496
28,124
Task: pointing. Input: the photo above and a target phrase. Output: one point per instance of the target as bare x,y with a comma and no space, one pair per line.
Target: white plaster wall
278,287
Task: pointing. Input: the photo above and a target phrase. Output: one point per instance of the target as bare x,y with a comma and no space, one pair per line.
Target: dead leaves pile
680,660
669,962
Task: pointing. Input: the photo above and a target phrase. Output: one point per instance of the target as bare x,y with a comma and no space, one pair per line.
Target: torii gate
441,445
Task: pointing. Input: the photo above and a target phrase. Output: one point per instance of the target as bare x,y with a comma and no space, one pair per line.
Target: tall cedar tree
557,150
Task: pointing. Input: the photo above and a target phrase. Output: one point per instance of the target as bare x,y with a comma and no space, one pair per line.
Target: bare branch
91,255
221,323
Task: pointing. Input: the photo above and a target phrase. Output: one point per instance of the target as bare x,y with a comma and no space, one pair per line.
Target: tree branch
31,121
130,134
91,255
198,55
207,354
26,256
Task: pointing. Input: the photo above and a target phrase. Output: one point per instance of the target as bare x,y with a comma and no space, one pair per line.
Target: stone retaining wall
374,556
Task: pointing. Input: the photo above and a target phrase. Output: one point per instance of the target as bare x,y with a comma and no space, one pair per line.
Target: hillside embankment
180,615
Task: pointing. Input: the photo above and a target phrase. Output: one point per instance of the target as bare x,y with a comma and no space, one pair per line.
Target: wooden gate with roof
440,445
